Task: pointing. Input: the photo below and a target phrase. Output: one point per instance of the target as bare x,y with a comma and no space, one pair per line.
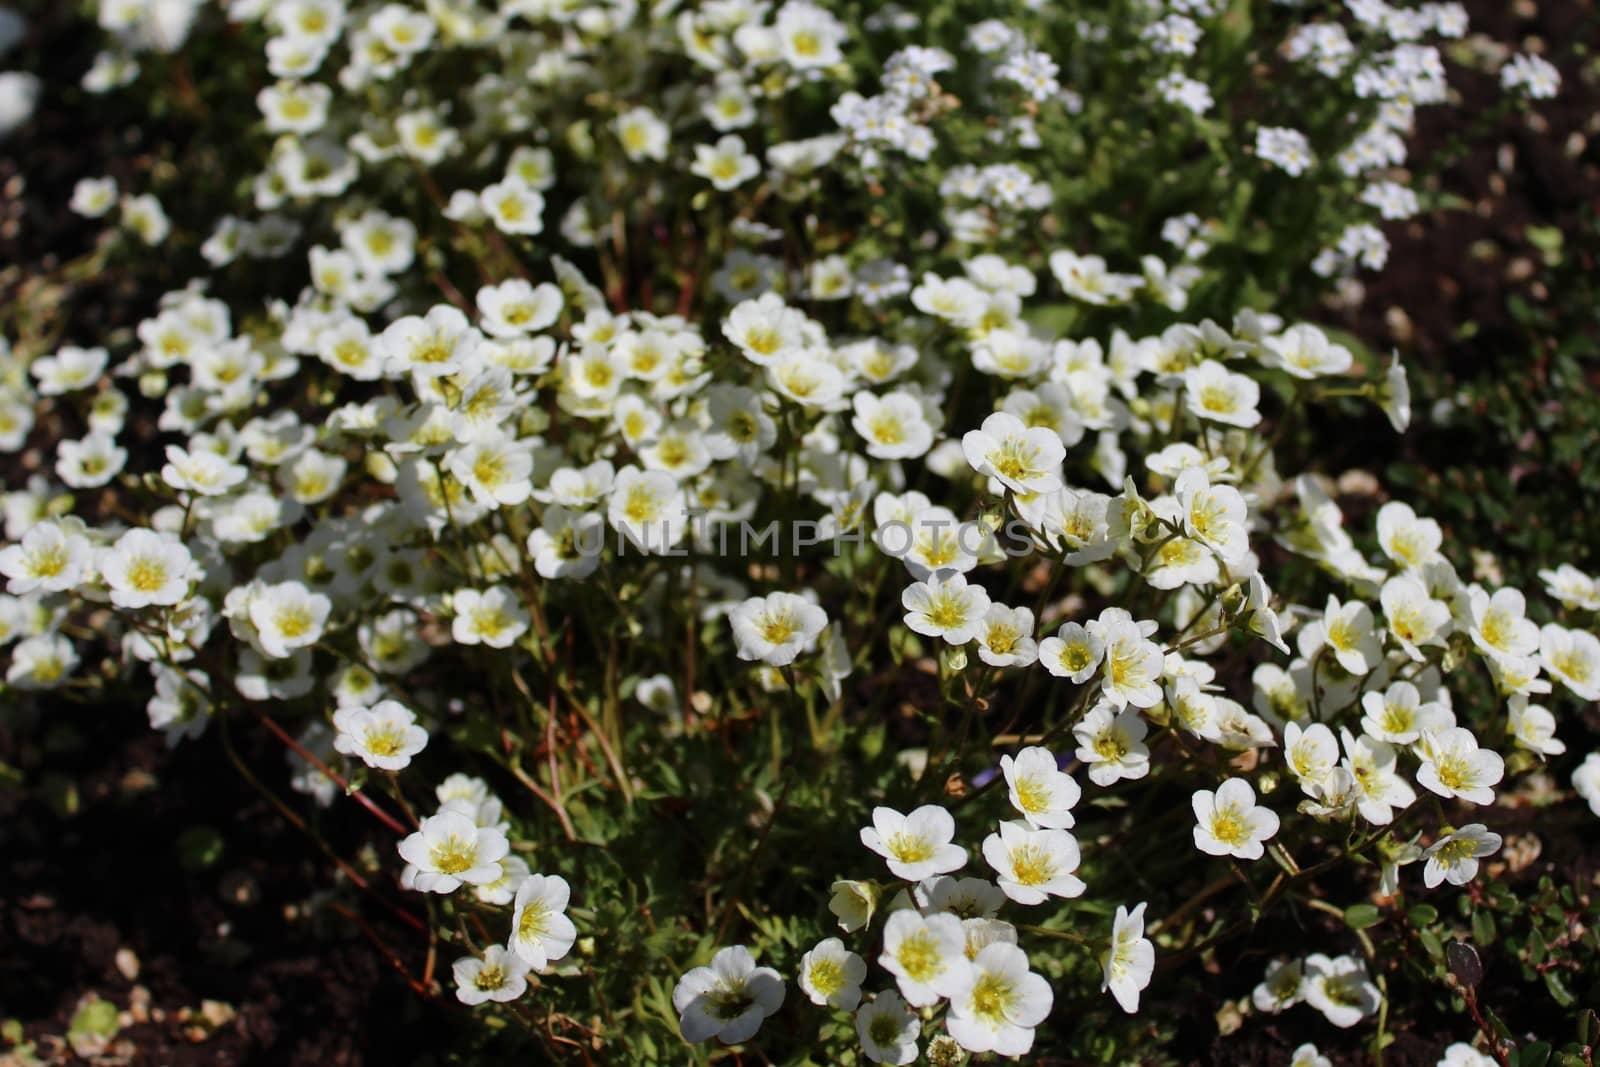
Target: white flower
146,568
830,975
494,617
1025,459
1284,148
498,976
926,954
516,307
1111,742
888,1030
1214,515
450,849
727,164
70,369
514,206
852,903
1533,726
1394,395
808,37
1572,587
998,1002
202,472
648,508
1129,962
50,558
91,462
1379,788
1415,619
288,616
765,329
916,846
1305,352
728,1000
438,344
1133,664
1586,781
568,544
947,608
1454,857
1005,638
1282,987
1307,1055
1340,989
1454,766
1410,541
1033,864
41,662
93,197
1213,392
384,736
1042,792
1349,634
894,426
541,933
1572,657
1073,653
1399,716
1230,823
1311,752
776,628
643,136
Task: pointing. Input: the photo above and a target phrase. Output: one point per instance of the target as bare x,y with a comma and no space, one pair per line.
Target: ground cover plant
795,533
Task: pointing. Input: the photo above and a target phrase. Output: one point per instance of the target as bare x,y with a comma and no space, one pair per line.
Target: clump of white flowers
619,429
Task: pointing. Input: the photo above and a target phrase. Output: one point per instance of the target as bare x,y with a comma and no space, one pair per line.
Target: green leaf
1361,916
1483,928
1558,990
1423,915
1534,1055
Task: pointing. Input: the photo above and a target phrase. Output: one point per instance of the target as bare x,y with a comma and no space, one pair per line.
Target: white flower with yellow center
498,976
52,557
1043,793
1340,988
726,164
1229,822
1129,962
1454,857
1415,619
1454,766
1132,665
1033,865
513,206
728,1000
945,607
493,617
830,975
776,628
1111,743
1572,587
450,849
1073,653
1213,392
287,616
1312,753
1378,788
541,933
1005,639
894,426
888,1030
648,508
146,568
917,845
1409,541
384,736
1573,658
999,1002
643,135
1399,715
1021,458
926,954
1534,727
